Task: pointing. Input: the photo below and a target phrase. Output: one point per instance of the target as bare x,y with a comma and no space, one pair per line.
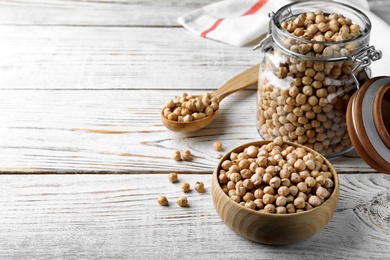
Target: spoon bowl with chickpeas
190,113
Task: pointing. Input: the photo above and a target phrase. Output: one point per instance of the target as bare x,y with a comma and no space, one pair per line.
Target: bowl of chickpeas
275,192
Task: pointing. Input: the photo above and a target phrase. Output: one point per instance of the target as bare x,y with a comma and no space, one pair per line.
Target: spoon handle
239,82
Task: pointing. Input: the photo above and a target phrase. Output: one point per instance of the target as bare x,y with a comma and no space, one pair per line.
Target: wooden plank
116,58
96,13
113,13
42,57
108,131
117,216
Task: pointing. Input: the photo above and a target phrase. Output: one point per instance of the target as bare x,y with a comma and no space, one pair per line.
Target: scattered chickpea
172,177
217,145
176,156
182,201
162,200
186,154
199,187
185,187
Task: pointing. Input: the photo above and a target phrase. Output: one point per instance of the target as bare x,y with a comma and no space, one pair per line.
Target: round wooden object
382,115
272,228
365,123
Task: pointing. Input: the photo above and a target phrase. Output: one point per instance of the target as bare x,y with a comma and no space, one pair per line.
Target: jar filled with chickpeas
314,58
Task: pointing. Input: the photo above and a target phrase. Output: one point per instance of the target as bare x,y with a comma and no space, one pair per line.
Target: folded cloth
235,22
239,22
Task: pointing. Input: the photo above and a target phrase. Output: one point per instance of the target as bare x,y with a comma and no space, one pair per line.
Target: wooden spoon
239,82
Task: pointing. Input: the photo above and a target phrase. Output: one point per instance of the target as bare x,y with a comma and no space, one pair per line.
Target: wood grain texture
79,131
96,12
117,216
36,57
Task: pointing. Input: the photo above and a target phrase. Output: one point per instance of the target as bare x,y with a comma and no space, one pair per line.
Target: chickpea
268,198
182,201
290,208
320,180
310,182
275,182
217,145
269,190
240,191
162,200
231,185
232,193
250,204
259,203
322,193
302,187
269,208
185,187
258,194
244,164
300,100
281,201
299,203
186,154
199,187
328,183
300,165
308,91
248,197
281,210
176,156
172,177
314,201
286,182
236,198
293,190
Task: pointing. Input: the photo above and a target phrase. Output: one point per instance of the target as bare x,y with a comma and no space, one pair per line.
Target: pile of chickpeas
276,178
305,100
187,108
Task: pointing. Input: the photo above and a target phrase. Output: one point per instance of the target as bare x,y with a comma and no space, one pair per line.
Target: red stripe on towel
252,10
212,28
256,7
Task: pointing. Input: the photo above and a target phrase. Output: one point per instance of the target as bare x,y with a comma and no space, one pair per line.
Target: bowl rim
240,148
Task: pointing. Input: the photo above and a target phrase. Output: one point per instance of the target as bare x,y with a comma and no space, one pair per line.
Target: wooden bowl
269,228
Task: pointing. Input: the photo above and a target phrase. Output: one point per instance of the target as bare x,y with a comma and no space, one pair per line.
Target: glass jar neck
338,50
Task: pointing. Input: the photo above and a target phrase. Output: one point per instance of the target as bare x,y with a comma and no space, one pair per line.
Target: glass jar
305,83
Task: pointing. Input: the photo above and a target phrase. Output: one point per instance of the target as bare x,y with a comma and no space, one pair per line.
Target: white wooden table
84,156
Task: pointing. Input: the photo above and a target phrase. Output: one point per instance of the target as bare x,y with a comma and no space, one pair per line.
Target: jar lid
368,122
